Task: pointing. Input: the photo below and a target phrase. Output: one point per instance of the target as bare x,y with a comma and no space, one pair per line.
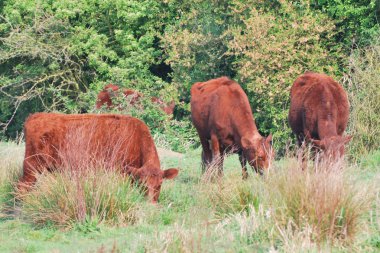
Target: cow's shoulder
211,85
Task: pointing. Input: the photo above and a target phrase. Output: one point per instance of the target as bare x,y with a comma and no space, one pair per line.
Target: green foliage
356,20
363,84
54,52
195,44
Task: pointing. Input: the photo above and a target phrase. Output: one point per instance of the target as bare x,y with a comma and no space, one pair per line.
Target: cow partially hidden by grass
76,142
110,91
222,115
318,113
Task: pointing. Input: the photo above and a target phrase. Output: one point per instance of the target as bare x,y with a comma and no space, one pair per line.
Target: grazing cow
222,115
111,90
53,141
318,113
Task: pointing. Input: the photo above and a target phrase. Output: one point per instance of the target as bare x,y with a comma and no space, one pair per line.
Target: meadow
319,210
56,56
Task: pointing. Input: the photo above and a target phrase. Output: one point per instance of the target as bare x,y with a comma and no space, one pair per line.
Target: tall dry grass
363,82
93,195
323,199
11,157
321,205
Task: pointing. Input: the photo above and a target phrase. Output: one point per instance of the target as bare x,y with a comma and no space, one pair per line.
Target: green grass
195,216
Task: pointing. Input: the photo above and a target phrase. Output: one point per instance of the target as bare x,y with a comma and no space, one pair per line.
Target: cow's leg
243,163
303,152
28,178
216,157
221,162
206,154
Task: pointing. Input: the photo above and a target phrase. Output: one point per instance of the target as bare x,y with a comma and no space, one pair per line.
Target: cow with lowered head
59,141
110,91
222,115
318,113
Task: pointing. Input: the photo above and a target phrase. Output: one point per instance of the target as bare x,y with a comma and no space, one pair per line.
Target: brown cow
318,113
222,115
117,141
110,91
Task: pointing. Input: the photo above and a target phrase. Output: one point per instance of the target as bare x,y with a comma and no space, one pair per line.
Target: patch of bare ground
166,153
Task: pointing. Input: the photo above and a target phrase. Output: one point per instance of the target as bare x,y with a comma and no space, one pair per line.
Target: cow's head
258,151
332,147
151,179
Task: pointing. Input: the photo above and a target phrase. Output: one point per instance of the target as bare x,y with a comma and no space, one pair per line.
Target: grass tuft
322,201
83,199
10,170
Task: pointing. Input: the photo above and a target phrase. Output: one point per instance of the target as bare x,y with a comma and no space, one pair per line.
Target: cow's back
115,138
315,97
220,105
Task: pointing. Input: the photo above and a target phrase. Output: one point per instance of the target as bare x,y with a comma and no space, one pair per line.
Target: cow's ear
347,139
269,139
135,172
246,143
170,173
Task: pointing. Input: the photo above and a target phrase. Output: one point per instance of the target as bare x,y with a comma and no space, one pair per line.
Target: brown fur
111,90
53,141
318,112
222,115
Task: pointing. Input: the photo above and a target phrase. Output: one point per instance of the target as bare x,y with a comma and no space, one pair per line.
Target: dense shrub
53,53
356,21
196,44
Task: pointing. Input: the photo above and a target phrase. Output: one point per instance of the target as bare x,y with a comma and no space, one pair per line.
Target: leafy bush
197,52
53,53
356,21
